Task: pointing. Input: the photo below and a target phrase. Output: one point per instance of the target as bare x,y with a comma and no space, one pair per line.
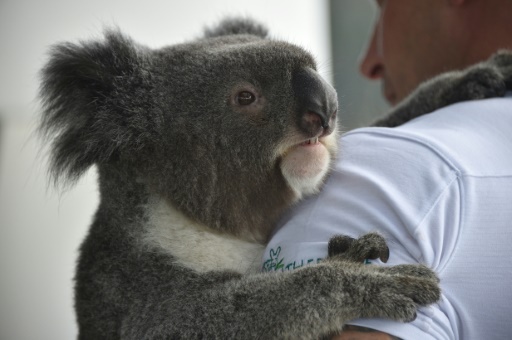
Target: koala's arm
488,79
303,304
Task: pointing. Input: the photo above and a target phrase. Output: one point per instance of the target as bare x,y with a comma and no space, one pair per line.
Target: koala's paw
479,82
398,296
402,295
421,290
413,270
488,79
370,246
502,61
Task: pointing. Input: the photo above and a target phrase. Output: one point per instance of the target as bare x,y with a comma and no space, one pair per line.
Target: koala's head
230,128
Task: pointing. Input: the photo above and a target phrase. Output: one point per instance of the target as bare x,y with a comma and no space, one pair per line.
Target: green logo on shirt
277,263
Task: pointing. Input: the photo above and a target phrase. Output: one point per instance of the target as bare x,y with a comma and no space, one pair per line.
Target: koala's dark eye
245,98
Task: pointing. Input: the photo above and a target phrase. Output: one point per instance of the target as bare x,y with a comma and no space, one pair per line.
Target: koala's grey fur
192,182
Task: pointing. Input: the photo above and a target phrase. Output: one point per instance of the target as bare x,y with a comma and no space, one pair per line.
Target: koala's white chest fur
194,246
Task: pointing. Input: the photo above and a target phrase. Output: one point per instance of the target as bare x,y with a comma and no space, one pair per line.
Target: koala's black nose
317,103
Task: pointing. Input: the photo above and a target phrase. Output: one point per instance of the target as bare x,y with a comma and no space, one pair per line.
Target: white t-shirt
439,188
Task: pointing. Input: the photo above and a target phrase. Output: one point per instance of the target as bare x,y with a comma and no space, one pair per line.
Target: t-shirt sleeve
393,183
400,186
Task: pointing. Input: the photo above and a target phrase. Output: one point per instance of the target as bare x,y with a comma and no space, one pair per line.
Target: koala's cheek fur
306,165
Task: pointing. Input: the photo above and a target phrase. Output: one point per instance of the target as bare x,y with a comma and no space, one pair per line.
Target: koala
199,148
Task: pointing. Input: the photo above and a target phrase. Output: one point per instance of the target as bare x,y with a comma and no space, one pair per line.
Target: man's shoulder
471,137
388,166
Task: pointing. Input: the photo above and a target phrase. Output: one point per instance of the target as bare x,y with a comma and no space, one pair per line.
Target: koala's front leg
314,301
488,79
307,303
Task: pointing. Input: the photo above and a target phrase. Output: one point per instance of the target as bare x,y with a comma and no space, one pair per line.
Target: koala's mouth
305,164
312,141
288,146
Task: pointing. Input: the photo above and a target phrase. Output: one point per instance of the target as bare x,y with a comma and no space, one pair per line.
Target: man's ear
91,97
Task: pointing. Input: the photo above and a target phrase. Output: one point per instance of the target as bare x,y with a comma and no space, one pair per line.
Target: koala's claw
370,246
393,292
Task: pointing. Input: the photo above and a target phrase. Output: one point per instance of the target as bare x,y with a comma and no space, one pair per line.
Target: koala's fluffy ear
91,99
232,26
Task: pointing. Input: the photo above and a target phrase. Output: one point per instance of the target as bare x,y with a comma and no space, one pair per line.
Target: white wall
27,27
40,229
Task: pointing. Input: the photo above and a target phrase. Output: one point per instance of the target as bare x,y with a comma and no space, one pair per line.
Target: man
438,187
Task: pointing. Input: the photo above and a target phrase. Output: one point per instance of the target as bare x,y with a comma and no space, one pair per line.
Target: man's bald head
416,40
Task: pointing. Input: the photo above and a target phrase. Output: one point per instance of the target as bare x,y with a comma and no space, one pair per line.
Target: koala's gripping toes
370,246
488,79
200,147
373,246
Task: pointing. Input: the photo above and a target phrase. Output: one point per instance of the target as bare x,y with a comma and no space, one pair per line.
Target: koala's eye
245,98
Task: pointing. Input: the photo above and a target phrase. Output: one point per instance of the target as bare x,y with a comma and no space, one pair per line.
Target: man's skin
415,40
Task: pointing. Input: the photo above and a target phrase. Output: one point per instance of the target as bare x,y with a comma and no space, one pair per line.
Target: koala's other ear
230,26
89,95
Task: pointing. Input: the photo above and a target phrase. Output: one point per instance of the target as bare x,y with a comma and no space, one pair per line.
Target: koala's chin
306,165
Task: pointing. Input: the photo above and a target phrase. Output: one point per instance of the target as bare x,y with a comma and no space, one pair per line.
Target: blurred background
41,228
